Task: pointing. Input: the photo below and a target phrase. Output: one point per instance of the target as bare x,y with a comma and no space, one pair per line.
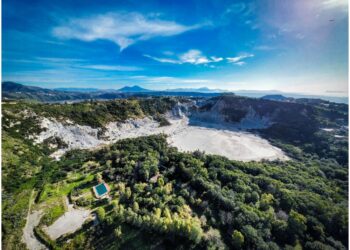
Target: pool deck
101,195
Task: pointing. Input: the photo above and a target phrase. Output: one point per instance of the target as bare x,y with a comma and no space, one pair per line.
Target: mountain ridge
13,90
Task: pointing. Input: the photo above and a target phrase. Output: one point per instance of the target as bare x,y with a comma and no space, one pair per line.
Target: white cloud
192,56
240,63
238,59
216,59
123,29
330,4
163,60
233,59
111,67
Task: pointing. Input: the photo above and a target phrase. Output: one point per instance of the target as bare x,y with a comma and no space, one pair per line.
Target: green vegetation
161,198
204,201
296,123
54,212
93,113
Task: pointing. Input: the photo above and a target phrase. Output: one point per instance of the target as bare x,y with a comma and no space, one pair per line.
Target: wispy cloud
264,47
243,8
58,60
111,67
192,56
196,57
330,4
73,63
123,29
216,59
240,63
46,60
163,60
238,59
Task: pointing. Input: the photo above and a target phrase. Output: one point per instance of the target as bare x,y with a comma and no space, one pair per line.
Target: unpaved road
33,219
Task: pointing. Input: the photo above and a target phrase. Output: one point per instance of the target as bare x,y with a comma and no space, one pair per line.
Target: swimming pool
101,189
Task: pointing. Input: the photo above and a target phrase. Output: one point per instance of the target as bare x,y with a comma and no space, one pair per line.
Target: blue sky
292,46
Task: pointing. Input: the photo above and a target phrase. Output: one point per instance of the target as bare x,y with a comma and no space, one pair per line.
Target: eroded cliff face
249,113
215,138
189,124
224,112
75,136
224,115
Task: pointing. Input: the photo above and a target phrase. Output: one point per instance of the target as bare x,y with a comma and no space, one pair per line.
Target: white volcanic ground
232,143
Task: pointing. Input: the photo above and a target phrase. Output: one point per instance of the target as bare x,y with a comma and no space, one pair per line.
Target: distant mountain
16,91
261,93
133,89
16,87
275,98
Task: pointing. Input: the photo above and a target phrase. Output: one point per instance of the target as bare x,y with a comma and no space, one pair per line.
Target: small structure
154,179
101,190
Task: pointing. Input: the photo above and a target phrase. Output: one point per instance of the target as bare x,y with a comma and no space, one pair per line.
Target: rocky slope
236,145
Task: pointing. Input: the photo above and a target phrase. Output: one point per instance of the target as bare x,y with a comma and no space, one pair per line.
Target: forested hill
161,198
313,125
16,91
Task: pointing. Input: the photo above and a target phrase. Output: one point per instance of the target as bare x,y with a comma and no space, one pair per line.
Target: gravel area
69,222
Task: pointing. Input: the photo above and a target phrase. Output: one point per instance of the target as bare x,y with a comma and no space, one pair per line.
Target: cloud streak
111,67
192,56
196,57
238,59
163,60
120,28
330,4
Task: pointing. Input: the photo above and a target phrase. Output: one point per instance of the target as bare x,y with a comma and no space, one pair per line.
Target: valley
230,142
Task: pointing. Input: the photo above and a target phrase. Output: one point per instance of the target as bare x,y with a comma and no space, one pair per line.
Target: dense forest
298,123
209,202
161,198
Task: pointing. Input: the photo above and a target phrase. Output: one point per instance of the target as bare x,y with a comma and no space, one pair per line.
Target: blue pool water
101,189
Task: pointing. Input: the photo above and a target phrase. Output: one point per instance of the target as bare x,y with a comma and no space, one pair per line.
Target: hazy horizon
262,91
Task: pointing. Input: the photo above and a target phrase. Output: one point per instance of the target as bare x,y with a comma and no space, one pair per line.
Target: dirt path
33,219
